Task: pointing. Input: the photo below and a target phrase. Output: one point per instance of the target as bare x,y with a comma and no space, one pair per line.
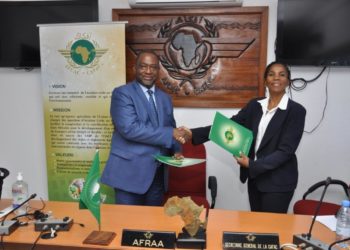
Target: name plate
250,241
150,239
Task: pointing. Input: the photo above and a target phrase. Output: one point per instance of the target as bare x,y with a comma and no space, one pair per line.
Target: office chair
3,174
308,206
191,180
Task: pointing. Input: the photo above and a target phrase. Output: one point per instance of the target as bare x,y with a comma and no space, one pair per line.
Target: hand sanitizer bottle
19,194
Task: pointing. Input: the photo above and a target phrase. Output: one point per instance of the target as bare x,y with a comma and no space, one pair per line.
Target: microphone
306,239
7,227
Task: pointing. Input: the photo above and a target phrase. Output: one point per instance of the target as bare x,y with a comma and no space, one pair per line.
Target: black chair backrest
213,186
3,174
323,183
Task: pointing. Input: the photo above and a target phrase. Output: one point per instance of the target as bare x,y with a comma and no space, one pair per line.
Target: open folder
169,160
230,135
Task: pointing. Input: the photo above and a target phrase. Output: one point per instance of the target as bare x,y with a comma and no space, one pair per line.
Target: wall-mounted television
313,32
19,34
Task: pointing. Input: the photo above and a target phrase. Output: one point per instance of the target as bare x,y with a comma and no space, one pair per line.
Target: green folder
178,163
230,135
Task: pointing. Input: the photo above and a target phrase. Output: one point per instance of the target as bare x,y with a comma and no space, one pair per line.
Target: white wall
321,154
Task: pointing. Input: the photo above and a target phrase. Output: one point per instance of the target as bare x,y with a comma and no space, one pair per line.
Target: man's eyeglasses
145,67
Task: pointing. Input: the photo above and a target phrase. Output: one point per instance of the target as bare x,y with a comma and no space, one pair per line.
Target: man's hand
178,156
183,134
179,135
188,133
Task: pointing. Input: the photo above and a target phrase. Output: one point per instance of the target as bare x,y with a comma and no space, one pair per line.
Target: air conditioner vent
183,3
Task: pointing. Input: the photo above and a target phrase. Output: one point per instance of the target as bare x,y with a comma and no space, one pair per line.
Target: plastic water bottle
19,194
343,224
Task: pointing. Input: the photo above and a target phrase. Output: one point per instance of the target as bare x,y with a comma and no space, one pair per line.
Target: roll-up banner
80,66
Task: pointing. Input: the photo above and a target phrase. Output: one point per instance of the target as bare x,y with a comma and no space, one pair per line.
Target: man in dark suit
144,126
277,123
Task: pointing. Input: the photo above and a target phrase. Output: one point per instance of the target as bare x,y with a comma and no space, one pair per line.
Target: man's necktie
154,113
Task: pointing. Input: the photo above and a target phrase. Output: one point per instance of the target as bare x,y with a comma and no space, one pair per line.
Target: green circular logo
83,52
229,135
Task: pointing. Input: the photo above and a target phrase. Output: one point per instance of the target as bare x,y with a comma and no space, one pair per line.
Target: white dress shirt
144,89
267,116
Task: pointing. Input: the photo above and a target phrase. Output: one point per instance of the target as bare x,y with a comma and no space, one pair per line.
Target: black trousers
274,202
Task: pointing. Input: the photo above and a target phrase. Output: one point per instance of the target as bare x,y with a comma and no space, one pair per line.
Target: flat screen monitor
19,34
313,32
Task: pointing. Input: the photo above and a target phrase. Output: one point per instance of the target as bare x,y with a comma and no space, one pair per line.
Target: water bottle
343,224
19,194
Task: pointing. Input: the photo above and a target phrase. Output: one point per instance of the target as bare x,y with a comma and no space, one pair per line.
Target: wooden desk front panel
286,225
116,218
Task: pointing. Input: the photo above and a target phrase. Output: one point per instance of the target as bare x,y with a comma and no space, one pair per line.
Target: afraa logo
83,54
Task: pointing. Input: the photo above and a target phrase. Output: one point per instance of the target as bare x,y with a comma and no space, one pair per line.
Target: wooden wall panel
210,57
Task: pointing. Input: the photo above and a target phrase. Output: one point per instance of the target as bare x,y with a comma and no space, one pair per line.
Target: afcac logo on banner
82,54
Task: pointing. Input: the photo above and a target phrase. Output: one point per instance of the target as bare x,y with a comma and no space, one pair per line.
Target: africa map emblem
83,55
83,52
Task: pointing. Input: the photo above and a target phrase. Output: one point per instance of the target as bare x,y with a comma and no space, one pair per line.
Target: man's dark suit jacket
276,168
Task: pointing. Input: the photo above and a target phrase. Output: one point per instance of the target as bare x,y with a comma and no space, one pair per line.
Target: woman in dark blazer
277,123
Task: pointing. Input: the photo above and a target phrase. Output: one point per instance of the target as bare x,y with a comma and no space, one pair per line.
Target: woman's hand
242,160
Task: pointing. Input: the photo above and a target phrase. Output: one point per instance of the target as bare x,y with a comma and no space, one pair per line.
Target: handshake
182,134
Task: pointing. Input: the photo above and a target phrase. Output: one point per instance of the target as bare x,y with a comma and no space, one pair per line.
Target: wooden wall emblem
210,57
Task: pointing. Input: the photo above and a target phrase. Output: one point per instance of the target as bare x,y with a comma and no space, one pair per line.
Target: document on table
329,221
185,162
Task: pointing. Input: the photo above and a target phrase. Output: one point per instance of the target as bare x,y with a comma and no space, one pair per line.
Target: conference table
115,218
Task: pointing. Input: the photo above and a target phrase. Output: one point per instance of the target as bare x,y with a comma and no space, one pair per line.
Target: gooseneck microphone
306,239
17,207
7,227
317,210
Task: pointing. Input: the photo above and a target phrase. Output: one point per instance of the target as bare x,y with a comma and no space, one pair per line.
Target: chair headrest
4,173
